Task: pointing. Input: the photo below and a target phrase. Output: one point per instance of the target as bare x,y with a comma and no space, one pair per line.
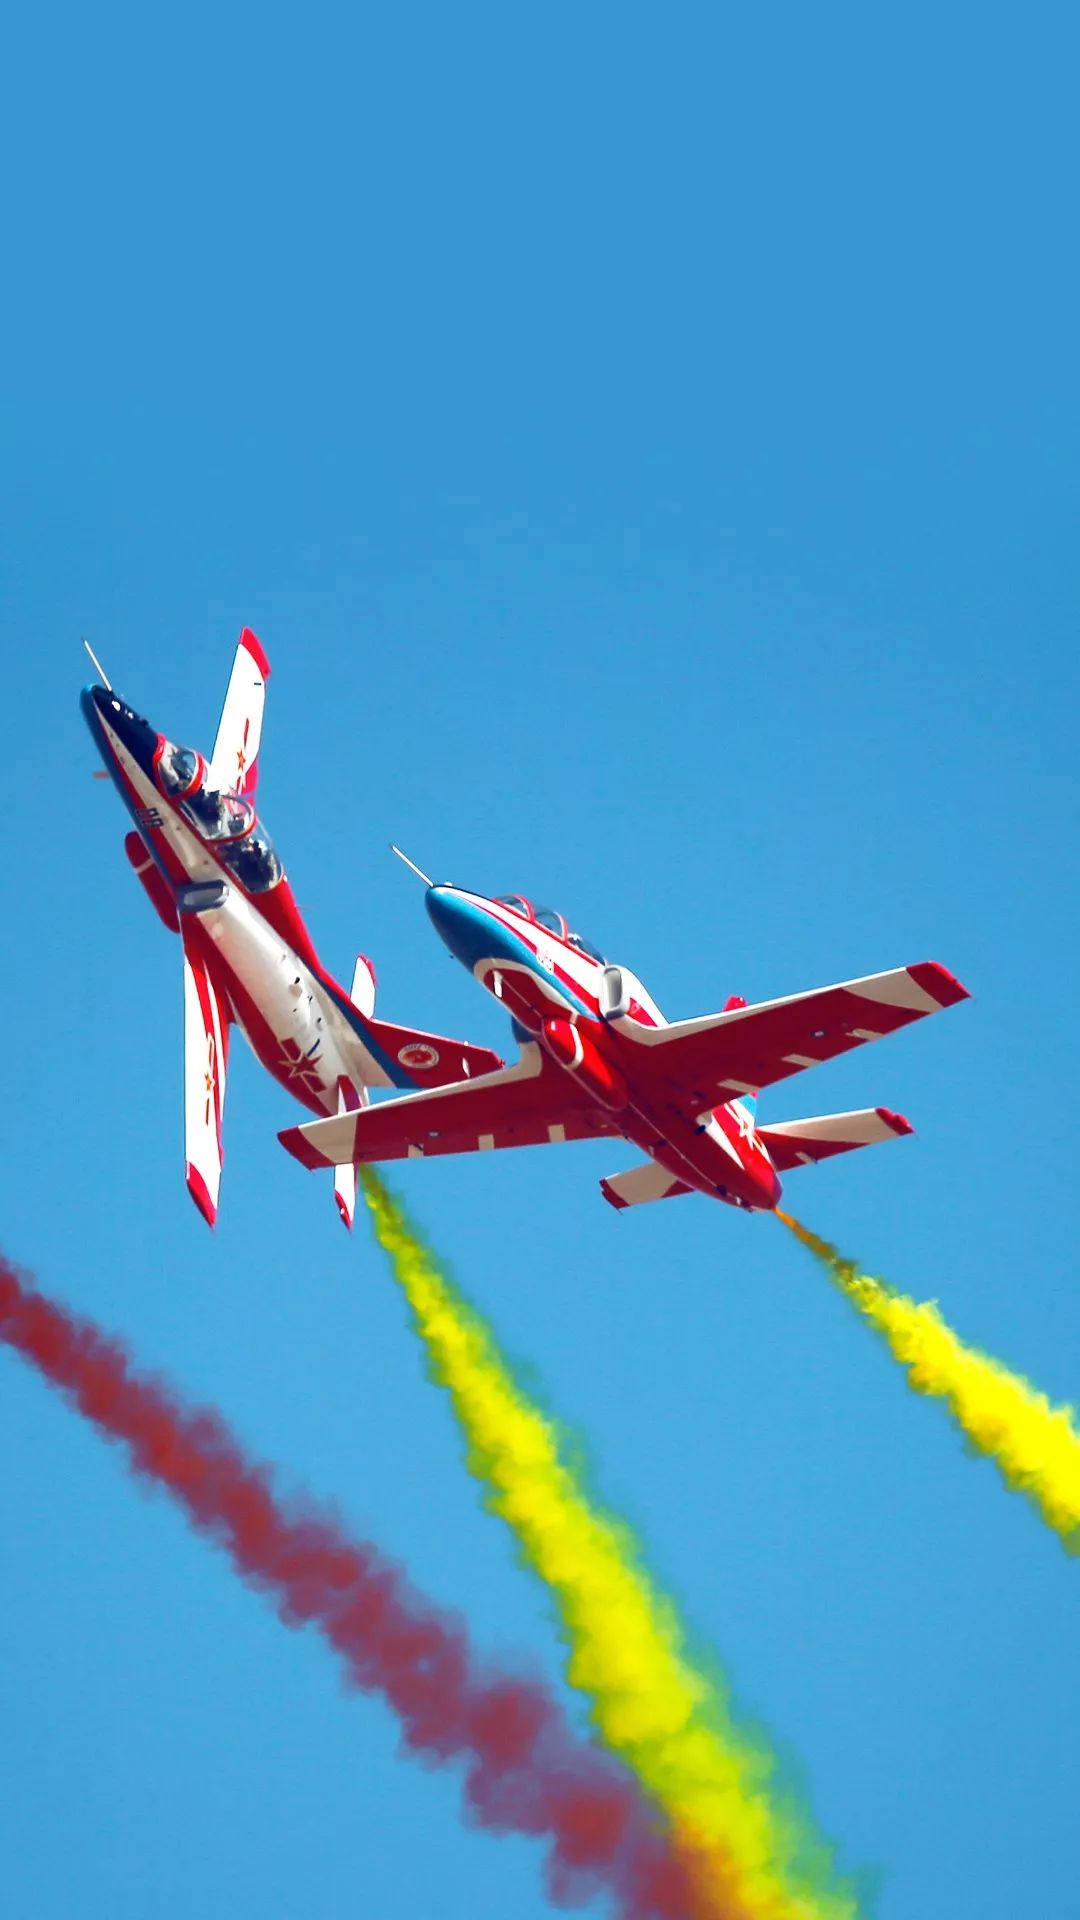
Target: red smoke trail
525,1770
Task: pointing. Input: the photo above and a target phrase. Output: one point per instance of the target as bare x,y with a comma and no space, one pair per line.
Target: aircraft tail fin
349,1101
206,1051
234,763
362,991
634,1188
801,1143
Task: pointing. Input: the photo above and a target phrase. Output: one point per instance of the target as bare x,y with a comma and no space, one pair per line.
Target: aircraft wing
723,1055
801,1143
530,1104
234,763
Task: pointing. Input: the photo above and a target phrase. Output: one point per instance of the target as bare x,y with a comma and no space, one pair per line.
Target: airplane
598,1059
210,869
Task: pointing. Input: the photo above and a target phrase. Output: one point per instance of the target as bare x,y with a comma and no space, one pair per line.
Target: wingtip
942,985
201,1195
293,1141
894,1121
613,1199
253,645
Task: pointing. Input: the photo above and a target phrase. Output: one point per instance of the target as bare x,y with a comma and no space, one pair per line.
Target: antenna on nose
98,666
419,872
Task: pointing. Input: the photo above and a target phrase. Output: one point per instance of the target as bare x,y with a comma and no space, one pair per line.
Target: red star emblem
301,1066
208,1077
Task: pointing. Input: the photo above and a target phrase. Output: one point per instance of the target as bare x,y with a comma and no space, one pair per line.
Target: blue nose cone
455,921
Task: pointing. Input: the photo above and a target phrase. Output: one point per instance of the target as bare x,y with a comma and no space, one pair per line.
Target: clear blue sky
646,444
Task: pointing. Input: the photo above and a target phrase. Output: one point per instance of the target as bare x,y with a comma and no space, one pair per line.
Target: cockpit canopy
219,816
517,904
253,860
179,770
551,921
226,821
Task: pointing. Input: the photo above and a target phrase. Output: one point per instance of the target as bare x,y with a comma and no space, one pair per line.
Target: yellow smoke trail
670,1722
1035,1446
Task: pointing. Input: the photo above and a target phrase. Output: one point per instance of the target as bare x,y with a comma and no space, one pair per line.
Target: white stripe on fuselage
506,970
551,952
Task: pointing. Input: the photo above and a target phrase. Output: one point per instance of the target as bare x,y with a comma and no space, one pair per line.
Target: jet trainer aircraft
210,869
598,1058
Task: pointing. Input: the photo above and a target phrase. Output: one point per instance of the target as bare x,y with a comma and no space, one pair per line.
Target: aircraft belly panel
279,1005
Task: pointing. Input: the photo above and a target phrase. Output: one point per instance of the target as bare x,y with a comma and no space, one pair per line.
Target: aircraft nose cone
444,912
440,905
135,733
454,922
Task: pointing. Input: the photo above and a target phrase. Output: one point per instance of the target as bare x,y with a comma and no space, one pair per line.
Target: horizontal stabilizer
421,1059
799,1143
380,1054
650,1182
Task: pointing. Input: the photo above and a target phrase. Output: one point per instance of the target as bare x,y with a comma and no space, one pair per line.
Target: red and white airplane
210,869
598,1058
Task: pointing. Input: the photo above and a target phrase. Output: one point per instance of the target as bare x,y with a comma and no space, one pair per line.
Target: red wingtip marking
894,1120
936,980
200,1193
343,1213
292,1139
613,1199
257,651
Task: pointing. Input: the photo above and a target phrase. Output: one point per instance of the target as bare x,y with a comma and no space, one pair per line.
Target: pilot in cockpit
254,861
178,769
206,808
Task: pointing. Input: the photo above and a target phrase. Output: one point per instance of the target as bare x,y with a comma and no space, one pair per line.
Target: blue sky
646,446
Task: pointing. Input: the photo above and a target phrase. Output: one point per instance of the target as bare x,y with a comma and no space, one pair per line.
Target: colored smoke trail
670,1722
1035,1446
526,1771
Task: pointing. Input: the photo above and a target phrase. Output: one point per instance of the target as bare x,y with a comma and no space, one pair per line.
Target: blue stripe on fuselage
398,1075
473,934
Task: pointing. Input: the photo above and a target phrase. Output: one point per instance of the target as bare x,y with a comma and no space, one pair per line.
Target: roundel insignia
418,1055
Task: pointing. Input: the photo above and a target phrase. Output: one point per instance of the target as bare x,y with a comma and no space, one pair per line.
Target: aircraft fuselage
254,944
588,1017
